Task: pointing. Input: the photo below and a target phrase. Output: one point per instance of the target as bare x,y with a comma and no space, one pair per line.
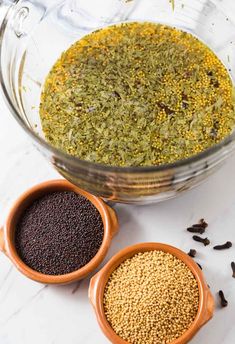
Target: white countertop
40,314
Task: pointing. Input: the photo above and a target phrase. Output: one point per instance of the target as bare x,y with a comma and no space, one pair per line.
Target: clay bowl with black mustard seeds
7,233
99,281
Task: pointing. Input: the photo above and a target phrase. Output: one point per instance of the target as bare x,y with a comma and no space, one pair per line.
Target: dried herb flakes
137,94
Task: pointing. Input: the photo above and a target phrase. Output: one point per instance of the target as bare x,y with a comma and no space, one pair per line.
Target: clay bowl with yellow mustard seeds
7,233
100,281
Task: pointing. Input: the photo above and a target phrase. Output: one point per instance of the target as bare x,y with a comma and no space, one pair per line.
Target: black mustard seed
59,233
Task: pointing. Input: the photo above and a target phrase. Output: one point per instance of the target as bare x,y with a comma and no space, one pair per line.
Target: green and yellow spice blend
151,298
137,94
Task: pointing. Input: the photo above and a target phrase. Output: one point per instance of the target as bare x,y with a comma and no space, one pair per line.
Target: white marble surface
39,314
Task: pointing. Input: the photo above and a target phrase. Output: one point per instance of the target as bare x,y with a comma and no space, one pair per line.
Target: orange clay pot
7,233
98,282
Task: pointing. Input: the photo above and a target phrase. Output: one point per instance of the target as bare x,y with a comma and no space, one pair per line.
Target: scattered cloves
198,227
204,241
227,245
223,301
192,253
233,268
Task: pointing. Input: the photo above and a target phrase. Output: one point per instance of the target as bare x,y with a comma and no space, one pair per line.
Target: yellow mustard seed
151,298
137,94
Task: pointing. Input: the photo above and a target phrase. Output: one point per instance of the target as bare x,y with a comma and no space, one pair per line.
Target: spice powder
137,94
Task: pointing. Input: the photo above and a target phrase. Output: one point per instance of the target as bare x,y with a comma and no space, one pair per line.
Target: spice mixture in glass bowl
113,167
137,94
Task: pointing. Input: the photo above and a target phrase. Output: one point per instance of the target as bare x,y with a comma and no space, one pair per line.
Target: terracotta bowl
7,233
98,282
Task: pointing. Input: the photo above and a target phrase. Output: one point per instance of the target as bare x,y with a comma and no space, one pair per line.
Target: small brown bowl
98,283
7,233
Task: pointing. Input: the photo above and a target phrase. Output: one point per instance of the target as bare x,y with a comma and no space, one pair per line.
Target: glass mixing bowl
33,35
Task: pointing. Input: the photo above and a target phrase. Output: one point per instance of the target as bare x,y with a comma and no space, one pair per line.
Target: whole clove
233,268
223,301
204,241
203,223
225,246
192,253
198,227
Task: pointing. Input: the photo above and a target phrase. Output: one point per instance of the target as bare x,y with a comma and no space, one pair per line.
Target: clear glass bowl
33,35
